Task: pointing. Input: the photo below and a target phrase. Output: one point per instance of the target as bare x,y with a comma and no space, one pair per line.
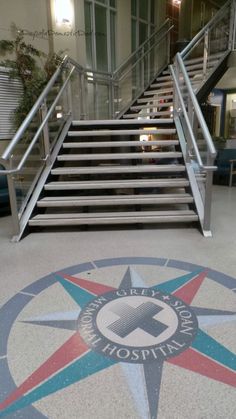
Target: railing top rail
158,31
209,25
106,75
92,71
39,130
124,74
196,106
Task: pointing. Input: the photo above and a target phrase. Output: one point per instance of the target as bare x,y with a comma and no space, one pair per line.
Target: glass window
113,3
134,40
143,9
100,27
113,39
152,11
134,7
143,32
143,16
101,38
88,34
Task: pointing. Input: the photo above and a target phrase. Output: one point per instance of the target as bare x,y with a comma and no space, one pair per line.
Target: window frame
109,10
151,25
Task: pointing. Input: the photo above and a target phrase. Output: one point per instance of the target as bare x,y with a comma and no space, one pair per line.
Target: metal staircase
115,178
131,147
104,174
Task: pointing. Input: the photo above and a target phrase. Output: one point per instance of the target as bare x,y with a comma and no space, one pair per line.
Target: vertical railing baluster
232,26
13,200
205,52
46,140
84,96
208,198
168,48
143,69
111,99
175,95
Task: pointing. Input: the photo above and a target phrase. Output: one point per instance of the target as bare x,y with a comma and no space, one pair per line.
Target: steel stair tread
101,200
101,133
138,114
162,84
113,184
197,66
212,57
120,156
165,78
114,144
114,218
146,98
194,66
160,90
110,214
155,92
148,105
149,168
100,123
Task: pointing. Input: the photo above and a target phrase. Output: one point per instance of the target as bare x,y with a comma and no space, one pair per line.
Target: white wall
70,37
160,12
30,15
123,31
37,16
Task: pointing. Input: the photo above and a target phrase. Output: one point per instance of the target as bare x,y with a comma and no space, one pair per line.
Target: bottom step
113,218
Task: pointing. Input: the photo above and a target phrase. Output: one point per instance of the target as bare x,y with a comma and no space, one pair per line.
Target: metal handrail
197,109
39,130
194,143
33,111
202,32
23,127
146,53
140,48
191,113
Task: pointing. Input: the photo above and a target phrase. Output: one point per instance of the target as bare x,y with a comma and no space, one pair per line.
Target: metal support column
13,200
46,139
205,53
208,201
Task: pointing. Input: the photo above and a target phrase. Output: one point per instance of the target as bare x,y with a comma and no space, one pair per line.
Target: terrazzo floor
120,323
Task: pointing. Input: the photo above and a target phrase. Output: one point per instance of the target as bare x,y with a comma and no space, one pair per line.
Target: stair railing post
232,26
70,99
143,70
46,140
191,120
194,124
168,47
13,199
205,52
83,96
208,200
111,98
175,94
96,100
188,148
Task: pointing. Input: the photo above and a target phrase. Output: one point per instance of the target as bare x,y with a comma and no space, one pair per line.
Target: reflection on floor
120,324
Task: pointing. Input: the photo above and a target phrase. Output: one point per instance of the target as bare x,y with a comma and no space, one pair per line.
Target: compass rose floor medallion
117,338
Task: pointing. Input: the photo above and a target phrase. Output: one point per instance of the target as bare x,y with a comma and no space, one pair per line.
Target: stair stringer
213,77
41,182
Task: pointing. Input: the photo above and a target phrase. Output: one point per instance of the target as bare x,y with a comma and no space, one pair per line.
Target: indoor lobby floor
122,323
